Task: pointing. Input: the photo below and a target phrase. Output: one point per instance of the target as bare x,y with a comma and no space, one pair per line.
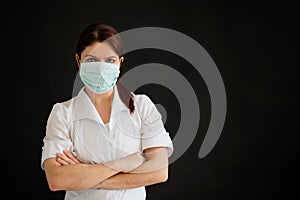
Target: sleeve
153,131
57,136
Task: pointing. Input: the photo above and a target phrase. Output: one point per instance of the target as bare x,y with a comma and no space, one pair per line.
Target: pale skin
66,172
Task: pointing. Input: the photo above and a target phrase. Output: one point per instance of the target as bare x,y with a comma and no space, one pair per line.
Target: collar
85,109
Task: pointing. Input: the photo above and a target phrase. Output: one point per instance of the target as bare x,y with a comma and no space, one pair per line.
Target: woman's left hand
66,158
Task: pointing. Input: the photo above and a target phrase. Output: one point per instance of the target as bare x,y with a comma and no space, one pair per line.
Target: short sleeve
153,131
57,136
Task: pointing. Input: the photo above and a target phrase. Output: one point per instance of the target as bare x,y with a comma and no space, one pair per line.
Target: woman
106,142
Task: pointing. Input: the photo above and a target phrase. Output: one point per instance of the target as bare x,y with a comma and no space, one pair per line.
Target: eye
91,59
110,60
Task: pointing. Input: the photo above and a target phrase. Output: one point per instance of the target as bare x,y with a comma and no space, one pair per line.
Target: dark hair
99,32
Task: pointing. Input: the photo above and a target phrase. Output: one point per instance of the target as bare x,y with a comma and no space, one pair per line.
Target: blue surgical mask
99,77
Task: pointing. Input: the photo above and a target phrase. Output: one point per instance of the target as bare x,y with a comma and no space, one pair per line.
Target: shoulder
143,100
144,104
63,108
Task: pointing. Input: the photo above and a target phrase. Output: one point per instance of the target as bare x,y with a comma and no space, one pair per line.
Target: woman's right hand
128,163
66,158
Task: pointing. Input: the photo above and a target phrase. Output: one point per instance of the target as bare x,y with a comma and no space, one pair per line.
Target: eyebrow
96,57
90,56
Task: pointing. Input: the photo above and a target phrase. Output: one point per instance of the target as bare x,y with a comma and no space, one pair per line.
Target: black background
253,45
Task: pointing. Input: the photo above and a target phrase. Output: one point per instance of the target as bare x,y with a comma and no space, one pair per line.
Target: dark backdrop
251,43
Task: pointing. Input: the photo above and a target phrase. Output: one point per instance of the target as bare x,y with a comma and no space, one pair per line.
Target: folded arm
65,172
153,171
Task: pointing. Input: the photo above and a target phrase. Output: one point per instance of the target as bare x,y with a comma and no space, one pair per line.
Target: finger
62,162
65,158
71,156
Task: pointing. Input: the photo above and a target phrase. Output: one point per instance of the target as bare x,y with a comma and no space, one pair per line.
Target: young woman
106,142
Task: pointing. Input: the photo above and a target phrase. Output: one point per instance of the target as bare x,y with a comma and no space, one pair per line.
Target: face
99,52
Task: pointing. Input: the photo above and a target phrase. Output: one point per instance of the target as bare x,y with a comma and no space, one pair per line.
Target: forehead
99,49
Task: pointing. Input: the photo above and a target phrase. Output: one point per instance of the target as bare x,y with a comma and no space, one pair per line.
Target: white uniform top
76,126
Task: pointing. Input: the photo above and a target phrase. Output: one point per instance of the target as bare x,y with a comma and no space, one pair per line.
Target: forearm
134,180
155,161
76,177
154,170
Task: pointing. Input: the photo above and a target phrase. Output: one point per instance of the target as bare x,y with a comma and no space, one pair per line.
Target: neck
99,99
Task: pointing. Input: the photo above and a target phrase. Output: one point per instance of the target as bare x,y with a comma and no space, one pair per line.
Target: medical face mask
99,77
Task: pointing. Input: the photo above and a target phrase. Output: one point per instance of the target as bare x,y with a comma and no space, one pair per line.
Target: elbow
53,186
162,176
52,174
